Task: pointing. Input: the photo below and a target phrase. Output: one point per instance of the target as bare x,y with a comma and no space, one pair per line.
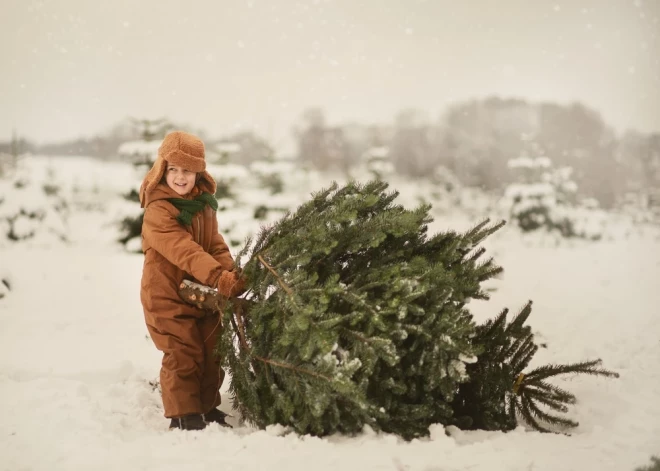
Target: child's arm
219,249
163,232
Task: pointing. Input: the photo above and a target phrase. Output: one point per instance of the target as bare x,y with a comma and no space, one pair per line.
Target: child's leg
212,374
183,359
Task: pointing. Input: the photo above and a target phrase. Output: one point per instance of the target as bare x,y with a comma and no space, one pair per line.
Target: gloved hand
231,284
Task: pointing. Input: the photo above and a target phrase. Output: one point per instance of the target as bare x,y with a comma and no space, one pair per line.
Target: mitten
231,284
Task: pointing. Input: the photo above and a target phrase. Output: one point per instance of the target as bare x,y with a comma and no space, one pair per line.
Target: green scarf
189,208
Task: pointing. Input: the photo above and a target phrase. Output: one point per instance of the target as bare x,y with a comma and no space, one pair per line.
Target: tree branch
238,317
276,275
291,367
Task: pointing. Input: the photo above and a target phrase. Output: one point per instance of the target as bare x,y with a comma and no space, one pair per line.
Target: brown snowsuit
190,375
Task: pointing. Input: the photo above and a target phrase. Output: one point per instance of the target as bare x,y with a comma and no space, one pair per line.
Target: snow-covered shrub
446,190
141,153
230,179
130,225
272,180
544,197
270,175
259,194
127,216
375,163
32,210
378,163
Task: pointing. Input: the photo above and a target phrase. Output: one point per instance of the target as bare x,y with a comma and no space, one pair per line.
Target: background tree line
474,140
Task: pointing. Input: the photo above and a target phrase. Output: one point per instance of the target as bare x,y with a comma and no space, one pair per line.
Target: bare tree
412,148
323,146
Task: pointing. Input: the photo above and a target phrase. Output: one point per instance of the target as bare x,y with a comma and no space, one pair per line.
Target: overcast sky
75,67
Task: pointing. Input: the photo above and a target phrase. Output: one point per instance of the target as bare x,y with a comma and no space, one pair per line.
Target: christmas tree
356,316
354,305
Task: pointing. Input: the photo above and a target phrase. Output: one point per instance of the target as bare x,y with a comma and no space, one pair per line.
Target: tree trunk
205,297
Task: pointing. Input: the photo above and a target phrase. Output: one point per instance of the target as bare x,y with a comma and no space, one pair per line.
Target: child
180,241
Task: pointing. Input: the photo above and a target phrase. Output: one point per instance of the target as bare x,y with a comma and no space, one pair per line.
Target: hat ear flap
152,178
206,182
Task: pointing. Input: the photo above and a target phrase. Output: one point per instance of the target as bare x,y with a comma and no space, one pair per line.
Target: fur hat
184,150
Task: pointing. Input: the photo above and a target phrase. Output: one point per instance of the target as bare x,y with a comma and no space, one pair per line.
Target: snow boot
188,422
218,417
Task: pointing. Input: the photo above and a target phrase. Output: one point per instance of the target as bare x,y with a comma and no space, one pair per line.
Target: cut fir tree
356,316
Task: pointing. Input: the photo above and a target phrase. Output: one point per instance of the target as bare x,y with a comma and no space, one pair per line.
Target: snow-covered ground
76,364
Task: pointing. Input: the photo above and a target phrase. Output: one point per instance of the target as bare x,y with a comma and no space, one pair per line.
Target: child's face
180,180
